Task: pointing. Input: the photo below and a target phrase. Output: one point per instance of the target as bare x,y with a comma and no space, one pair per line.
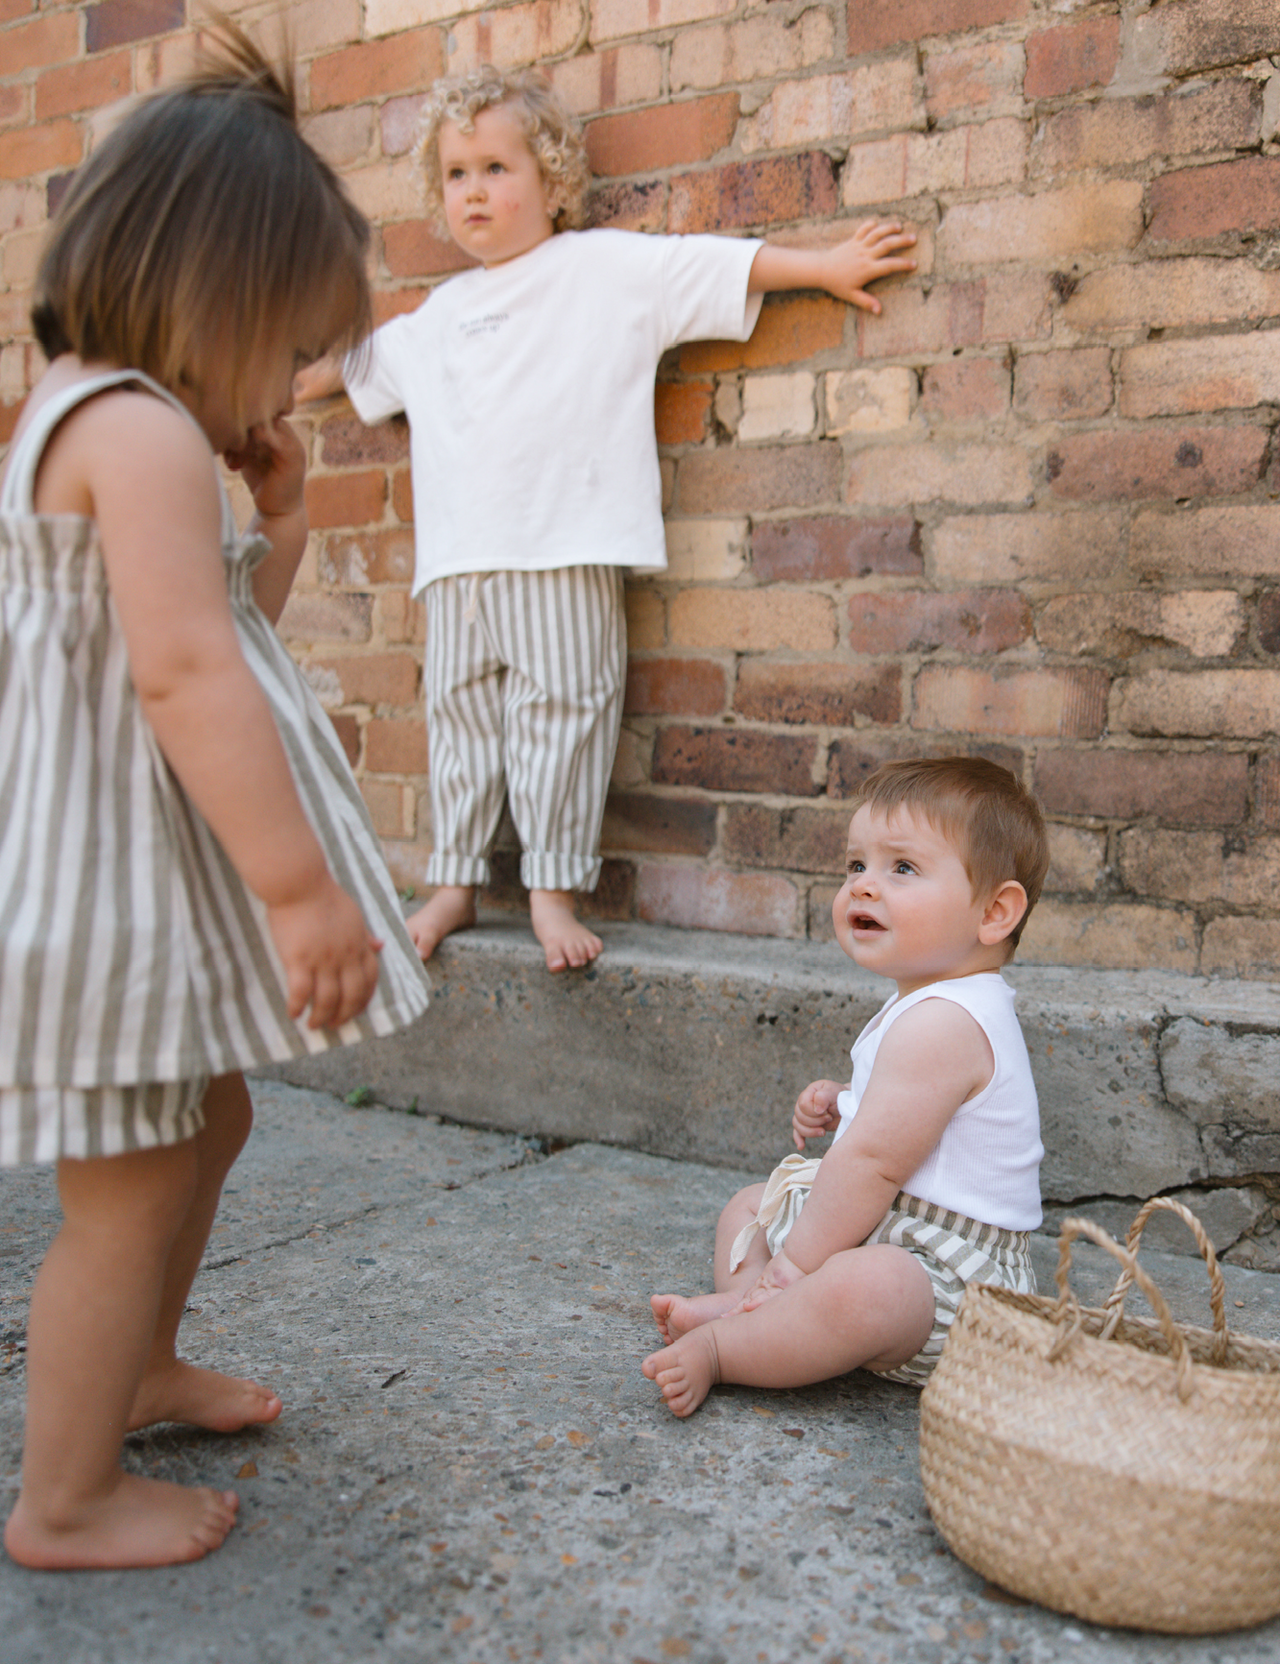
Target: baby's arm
816,1112
843,271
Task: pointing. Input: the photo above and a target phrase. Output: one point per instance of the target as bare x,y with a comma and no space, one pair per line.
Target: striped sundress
130,950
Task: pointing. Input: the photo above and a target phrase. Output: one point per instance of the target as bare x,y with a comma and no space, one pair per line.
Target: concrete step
695,1044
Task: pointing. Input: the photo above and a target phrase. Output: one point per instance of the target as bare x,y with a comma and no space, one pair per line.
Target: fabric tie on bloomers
784,1196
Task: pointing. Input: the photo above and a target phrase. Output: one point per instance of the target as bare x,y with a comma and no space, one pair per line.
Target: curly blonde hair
553,135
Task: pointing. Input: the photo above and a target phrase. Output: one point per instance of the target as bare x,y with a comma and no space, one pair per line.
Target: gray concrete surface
471,1468
693,1043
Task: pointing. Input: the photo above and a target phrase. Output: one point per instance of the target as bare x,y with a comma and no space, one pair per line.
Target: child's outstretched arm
320,380
843,271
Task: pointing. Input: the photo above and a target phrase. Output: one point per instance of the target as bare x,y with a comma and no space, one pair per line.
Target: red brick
828,695
346,499
347,729
1196,203
664,136
949,316
787,332
680,411
310,615
374,678
396,63
117,22
755,193
1269,621
42,42
345,441
412,248
1189,35
1266,791
654,825
973,78
1072,57
402,495
83,85
9,414
970,621
28,151
873,24
1225,116
834,547
1180,788
1177,462
735,760
965,390
754,481
403,617
393,303
14,105
368,557
850,761
799,840
395,746
641,207
10,9
386,805
1058,704
1063,386
693,898
675,687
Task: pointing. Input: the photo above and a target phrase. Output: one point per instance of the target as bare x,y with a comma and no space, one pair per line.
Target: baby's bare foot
453,907
139,1522
566,941
201,1398
675,1315
687,1371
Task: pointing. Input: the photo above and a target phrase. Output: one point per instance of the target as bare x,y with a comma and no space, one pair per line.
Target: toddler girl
186,870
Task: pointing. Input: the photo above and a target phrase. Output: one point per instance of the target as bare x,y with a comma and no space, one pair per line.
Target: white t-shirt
529,392
986,1165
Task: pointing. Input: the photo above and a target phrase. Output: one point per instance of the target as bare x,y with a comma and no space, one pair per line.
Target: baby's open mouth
864,921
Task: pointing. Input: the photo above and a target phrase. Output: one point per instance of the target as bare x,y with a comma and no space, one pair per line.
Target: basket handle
1067,1313
1114,1305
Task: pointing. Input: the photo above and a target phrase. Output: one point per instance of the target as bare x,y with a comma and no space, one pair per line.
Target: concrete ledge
695,1044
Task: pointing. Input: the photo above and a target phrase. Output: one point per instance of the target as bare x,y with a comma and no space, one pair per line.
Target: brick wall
1029,512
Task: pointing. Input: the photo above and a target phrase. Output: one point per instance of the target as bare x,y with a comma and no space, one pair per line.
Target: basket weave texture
1125,1470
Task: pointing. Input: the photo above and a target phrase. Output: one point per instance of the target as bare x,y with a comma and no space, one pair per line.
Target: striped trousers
524,679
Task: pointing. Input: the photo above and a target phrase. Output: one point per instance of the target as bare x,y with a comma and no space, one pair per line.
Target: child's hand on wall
872,252
815,1112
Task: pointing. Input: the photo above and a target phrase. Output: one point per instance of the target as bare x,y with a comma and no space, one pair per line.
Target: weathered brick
22,206
401,616
948,316
1016,306
1098,218
868,401
818,905
386,17
787,331
15,104
326,618
872,24
347,729
21,253
315,26
1242,540
1266,790
1201,866
752,482
631,760
868,99
28,151
1224,116
693,898
680,412
83,85
1207,623
346,441
646,620
826,695
800,840
1077,859
1212,372
834,547
1063,386
1172,294
398,121
1188,35
735,760
602,80
965,390
1269,621
1196,203
117,22
610,18
752,620
346,499
705,551
851,760
886,475
984,76
1181,462
413,248
1058,704
1241,947
373,678
513,36
47,40
630,207
637,141
675,687
778,407
918,621
1208,704
393,303
977,157
654,825
390,808
1182,788
395,745
1110,937
342,137
368,557
754,193
756,49
375,68
1072,57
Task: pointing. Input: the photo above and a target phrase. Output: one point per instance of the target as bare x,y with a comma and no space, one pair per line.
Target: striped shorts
48,1123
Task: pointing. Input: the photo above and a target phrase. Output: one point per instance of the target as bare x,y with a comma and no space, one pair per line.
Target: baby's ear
1002,913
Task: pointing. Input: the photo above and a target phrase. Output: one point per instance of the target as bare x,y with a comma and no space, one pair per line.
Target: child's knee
745,1204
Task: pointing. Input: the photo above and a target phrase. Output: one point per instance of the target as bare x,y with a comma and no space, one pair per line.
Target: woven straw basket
1121,1469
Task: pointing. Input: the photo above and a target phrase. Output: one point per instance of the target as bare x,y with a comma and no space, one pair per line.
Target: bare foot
140,1522
565,939
675,1315
687,1371
201,1398
453,907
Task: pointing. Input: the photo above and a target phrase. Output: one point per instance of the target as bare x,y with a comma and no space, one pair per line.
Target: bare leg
565,939
452,907
171,1389
94,1315
869,1306
675,1314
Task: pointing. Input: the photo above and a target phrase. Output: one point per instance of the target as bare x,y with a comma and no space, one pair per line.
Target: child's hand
780,1273
870,253
273,465
816,1112
330,959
